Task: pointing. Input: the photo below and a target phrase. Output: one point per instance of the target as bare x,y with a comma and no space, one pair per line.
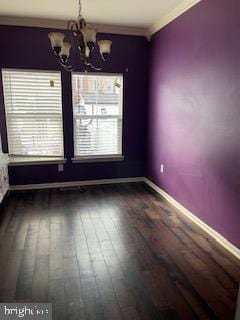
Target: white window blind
33,105
97,113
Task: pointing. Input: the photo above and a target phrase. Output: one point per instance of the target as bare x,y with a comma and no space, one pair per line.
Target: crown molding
176,12
132,31
103,28
62,24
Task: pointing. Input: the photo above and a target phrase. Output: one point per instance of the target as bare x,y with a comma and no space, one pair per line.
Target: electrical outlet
60,167
162,168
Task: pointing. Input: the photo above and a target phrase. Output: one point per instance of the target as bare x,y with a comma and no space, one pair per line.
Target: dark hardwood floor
112,252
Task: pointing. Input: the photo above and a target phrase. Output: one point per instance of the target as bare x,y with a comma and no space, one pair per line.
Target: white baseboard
237,315
74,183
212,233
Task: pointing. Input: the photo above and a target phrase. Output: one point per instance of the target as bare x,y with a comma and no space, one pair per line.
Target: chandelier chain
80,9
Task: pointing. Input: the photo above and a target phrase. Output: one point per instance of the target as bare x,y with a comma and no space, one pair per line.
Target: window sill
97,159
28,161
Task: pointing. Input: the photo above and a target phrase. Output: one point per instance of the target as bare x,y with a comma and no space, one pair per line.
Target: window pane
98,136
97,108
33,105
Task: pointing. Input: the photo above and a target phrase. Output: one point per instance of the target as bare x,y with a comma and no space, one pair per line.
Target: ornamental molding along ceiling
103,28
62,24
172,15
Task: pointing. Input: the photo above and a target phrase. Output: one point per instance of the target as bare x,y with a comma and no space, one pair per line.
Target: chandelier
84,38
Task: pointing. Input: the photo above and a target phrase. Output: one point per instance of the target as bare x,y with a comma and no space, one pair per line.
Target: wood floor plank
112,252
40,279
57,298
26,271
73,299
8,276
56,252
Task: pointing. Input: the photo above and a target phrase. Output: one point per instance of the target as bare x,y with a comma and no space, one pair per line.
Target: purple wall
194,113
29,48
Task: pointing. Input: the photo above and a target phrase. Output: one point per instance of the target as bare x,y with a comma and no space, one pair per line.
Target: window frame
18,160
98,158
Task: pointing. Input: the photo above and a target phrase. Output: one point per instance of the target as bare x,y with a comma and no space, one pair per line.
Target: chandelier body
84,38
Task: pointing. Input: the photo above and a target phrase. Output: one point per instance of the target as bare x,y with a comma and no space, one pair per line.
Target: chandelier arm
72,25
81,47
64,65
93,67
68,68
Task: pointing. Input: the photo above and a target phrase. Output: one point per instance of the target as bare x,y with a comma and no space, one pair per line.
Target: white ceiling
130,13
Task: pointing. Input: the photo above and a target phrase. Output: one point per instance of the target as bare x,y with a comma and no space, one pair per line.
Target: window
33,105
97,114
